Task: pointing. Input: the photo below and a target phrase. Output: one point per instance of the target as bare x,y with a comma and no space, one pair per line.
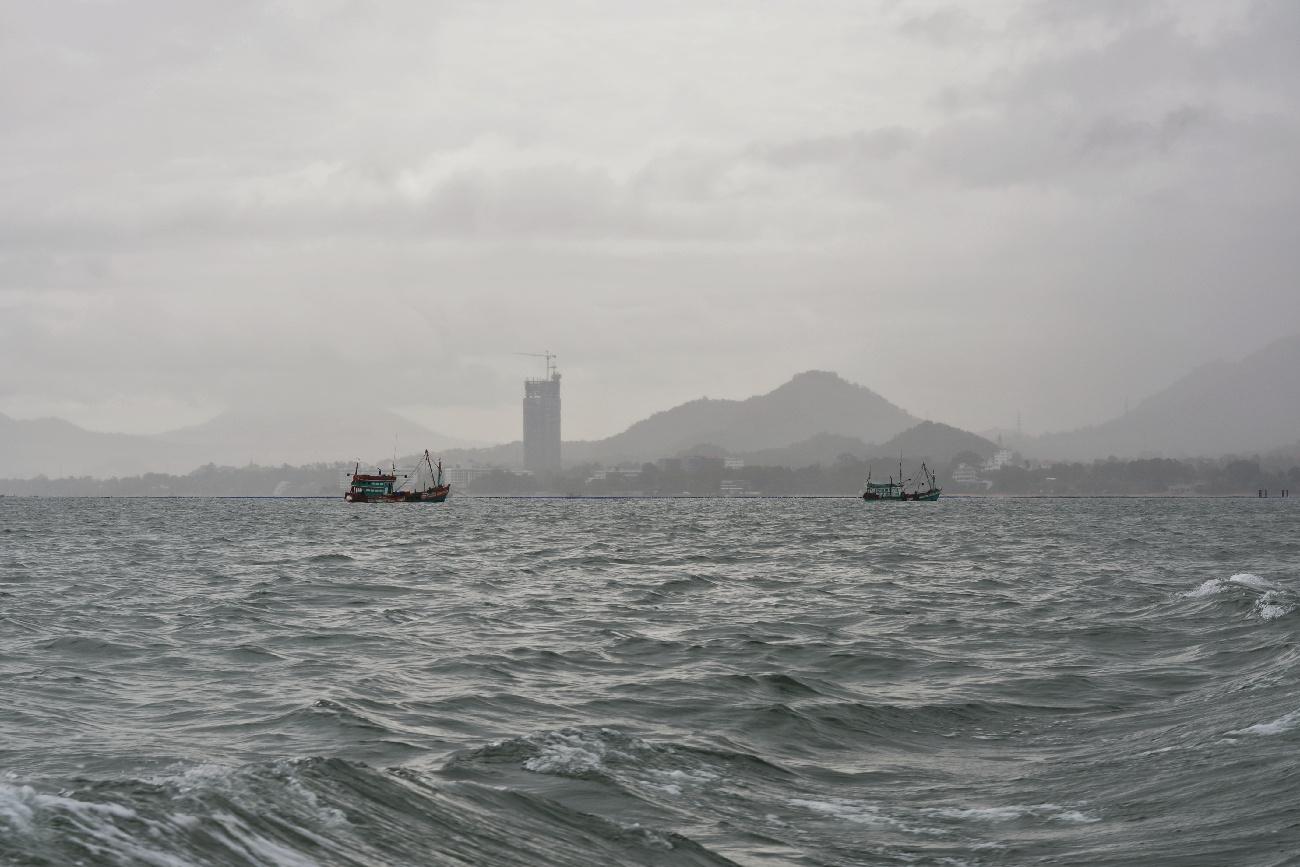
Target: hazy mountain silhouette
1225,407
1220,408
811,403
812,419
824,448
933,441
54,447
306,435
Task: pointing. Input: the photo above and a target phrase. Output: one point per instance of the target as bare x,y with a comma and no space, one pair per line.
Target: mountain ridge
1221,407
56,447
1217,408
809,403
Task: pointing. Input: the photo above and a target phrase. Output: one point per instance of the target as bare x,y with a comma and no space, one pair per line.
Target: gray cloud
207,204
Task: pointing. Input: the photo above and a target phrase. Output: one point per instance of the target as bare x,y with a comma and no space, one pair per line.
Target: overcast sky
972,208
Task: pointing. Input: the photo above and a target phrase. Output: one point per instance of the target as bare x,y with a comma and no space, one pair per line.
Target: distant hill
930,441
822,449
1248,406
813,418
305,435
935,442
53,447
811,403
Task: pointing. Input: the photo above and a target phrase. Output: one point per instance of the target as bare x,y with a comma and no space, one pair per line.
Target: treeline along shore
711,476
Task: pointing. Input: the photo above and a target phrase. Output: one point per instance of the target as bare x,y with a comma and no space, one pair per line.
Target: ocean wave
1270,600
577,753
1255,582
1213,586
589,753
1271,605
860,813
568,683
643,771
1051,812
330,558
316,811
1281,725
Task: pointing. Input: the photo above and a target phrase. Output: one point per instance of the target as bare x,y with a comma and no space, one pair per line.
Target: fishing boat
897,491
391,487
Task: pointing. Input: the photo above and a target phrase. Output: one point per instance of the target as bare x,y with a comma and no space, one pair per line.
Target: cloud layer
973,208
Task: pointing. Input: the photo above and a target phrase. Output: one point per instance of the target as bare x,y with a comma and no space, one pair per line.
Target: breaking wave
663,683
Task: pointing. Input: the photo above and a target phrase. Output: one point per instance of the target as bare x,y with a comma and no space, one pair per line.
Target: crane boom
550,360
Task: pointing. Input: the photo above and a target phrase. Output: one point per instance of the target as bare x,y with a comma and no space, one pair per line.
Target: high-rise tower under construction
542,421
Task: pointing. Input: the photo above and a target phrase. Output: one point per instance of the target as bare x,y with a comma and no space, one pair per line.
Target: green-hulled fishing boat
897,491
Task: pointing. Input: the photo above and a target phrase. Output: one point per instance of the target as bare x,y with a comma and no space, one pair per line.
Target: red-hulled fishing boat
381,487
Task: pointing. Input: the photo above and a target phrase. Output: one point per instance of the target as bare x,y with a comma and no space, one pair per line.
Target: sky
976,209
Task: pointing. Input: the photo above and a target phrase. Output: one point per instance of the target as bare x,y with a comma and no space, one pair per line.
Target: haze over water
506,682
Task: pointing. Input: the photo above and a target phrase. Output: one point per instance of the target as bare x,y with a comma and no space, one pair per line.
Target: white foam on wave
1207,588
1278,726
20,804
1245,579
859,812
196,780
1052,812
240,838
852,811
1218,585
571,752
653,839
577,752
25,811
1269,606
673,782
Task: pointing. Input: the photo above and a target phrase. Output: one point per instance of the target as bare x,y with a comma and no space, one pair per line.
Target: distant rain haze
975,209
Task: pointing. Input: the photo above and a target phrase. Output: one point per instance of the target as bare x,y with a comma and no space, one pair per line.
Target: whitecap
852,811
16,806
653,839
860,813
1207,588
20,804
675,781
571,752
23,809
1075,816
1276,727
1269,604
1246,579
1053,812
1269,607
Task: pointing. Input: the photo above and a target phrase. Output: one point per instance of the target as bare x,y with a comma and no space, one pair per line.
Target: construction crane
550,360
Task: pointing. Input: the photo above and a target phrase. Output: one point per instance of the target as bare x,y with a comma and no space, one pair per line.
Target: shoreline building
542,421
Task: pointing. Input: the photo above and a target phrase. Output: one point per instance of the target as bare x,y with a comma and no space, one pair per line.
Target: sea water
667,682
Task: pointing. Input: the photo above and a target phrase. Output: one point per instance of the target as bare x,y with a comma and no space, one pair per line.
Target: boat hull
916,497
431,495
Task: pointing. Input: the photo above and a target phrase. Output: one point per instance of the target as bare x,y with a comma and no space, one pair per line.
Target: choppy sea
649,682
